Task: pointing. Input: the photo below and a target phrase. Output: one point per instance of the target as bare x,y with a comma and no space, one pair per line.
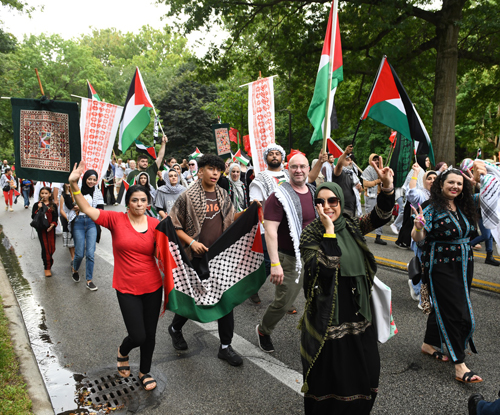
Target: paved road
76,332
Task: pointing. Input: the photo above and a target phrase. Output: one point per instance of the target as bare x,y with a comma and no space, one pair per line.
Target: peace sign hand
77,172
385,174
419,221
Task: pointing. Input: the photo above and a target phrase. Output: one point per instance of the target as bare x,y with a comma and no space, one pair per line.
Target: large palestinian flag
230,272
330,70
389,104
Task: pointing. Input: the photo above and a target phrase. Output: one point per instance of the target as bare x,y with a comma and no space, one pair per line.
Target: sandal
123,369
466,378
440,357
144,384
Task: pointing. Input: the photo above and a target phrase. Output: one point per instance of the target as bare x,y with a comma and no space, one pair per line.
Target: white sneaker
414,296
420,306
6,208
11,210
394,229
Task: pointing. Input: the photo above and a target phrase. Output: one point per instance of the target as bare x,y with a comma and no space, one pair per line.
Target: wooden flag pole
39,82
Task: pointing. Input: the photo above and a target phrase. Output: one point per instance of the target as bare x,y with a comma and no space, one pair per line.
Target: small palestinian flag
197,153
241,158
144,149
229,273
123,189
91,92
479,154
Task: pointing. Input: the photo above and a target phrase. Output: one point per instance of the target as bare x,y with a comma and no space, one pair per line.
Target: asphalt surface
75,333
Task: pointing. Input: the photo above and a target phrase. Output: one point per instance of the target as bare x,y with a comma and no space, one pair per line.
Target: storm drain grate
105,393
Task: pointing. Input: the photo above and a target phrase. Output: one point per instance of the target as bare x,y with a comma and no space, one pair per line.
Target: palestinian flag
123,189
333,148
479,154
197,153
389,104
135,115
229,273
401,159
91,92
241,158
330,67
144,149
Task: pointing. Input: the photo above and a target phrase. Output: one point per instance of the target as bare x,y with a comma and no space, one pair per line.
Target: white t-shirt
119,171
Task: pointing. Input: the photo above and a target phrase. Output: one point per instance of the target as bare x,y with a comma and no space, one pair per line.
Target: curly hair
464,201
212,161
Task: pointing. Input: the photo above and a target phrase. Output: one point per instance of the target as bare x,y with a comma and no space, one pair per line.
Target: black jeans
226,326
140,314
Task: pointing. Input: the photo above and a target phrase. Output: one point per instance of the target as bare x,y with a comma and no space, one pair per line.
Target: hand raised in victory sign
419,221
385,174
77,172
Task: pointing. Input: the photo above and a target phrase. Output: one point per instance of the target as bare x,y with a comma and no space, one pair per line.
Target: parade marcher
177,167
200,215
109,186
477,405
237,189
288,210
344,178
321,178
130,168
168,193
444,224
136,277
372,183
340,359
191,175
142,164
142,179
327,168
85,232
26,190
8,184
119,173
66,206
5,166
47,236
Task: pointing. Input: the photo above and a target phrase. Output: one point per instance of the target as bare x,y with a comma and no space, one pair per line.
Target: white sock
224,346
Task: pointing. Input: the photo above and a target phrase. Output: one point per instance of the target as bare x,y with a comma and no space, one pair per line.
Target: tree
426,46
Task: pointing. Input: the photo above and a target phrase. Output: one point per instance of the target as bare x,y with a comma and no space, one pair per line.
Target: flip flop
437,355
144,384
466,378
123,369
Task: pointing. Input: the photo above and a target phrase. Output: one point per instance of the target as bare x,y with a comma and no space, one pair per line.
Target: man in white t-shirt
119,173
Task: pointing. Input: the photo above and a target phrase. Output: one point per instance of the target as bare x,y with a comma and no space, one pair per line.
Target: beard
274,163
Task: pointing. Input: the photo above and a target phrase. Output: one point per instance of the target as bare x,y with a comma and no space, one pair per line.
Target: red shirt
135,270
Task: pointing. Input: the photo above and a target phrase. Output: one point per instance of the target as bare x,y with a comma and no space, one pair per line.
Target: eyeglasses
332,201
191,164
300,166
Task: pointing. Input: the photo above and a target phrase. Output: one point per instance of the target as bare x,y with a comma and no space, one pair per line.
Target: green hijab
352,263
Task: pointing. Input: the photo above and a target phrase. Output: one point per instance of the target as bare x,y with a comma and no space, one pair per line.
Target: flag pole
39,81
159,123
384,57
330,74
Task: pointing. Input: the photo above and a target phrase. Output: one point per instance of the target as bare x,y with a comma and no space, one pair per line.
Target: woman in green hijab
340,359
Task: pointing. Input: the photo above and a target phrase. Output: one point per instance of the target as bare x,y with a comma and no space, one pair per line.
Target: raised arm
82,203
161,153
341,162
313,174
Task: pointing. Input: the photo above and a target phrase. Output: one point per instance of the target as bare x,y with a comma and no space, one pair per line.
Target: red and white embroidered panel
98,126
222,141
260,119
44,139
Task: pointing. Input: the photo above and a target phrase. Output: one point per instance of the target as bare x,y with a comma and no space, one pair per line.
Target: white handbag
382,311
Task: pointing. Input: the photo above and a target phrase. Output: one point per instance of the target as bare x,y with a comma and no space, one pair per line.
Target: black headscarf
86,190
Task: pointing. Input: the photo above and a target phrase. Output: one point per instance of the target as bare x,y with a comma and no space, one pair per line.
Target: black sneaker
474,399
264,341
255,298
380,241
177,339
91,286
401,245
76,277
230,356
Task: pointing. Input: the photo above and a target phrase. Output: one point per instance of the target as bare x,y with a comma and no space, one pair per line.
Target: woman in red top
136,277
47,236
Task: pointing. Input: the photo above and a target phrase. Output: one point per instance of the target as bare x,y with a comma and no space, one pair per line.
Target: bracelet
329,235
191,243
414,178
77,193
276,265
418,230
387,190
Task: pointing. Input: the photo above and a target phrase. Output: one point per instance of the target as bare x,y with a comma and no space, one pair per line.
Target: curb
27,363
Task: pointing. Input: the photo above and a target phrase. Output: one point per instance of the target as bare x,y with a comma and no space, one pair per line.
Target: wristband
191,243
387,190
418,230
329,235
414,178
77,193
276,265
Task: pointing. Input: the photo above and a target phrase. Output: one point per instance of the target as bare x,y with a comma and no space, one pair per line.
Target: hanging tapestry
46,138
222,141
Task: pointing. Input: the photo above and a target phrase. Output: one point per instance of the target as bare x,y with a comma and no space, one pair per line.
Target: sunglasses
332,201
191,164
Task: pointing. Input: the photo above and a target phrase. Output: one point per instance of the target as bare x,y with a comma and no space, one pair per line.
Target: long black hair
464,201
51,204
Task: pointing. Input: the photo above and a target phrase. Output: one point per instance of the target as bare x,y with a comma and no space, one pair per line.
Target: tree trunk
445,87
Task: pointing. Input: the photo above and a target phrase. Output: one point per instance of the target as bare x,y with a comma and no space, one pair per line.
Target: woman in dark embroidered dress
445,223
340,359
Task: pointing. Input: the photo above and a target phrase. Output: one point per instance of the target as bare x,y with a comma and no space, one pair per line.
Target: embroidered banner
46,138
222,141
260,119
98,126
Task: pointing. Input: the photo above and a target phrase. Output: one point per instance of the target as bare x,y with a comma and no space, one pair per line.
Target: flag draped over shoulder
136,113
331,54
229,273
390,105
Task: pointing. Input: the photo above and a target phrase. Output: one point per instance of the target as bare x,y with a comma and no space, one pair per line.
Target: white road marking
251,352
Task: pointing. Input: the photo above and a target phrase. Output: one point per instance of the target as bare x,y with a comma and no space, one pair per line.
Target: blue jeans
485,236
399,220
26,195
488,408
85,236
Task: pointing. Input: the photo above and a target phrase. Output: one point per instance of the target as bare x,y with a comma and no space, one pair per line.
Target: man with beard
289,209
327,168
142,164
